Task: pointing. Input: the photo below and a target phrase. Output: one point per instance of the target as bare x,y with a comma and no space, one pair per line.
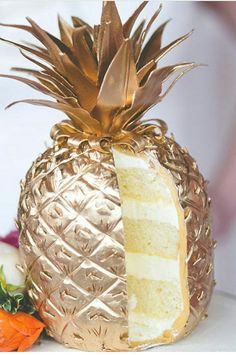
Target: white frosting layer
150,267
161,212
142,328
125,161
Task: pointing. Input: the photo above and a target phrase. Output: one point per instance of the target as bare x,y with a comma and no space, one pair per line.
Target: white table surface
217,333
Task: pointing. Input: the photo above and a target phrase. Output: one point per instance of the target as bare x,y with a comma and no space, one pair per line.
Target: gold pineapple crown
104,78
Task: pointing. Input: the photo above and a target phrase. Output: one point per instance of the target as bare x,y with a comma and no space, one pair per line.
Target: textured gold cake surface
72,243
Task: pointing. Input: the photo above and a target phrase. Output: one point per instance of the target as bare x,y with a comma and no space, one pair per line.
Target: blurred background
200,111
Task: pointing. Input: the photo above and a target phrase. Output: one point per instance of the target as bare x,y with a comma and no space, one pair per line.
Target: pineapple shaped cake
114,217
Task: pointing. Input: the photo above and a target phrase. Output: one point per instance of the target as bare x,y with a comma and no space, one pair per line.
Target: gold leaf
148,95
67,87
20,27
95,39
32,45
188,67
65,31
50,70
127,27
118,86
153,18
39,54
62,47
83,54
48,80
78,22
172,45
79,116
143,72
84,88
53,49
137,40
153,46
110,37
67,127
35,85
147,28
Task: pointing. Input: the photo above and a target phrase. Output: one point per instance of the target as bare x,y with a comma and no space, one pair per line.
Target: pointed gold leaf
153,46
49,81
20,27
127,27
145,70
95,39
148,95
147,28
34,46
151,21
61,46
172,45
66,31
35,85
39,54
83,54
185,71
53,50
78,116
67,87
110,37
84,88
118,86
137,40
78,22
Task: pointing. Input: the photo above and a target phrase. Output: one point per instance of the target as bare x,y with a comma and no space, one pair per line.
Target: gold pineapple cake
114,218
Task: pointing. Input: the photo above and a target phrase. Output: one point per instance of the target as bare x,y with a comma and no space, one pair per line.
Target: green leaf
2,277
7,306
13,288
3,293
13,298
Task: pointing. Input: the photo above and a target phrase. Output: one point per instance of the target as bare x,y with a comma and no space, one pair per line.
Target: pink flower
12,238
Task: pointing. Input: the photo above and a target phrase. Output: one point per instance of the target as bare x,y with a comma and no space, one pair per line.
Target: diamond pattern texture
73,248
72,242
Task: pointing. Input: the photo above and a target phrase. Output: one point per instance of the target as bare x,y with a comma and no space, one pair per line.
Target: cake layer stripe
152,189
162,211
143,327
152,267
157,299
151,238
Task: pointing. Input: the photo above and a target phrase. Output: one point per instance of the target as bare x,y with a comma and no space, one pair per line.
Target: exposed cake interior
155,247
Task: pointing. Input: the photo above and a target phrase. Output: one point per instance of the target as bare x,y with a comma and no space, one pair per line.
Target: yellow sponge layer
162,300
151,238
142,185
